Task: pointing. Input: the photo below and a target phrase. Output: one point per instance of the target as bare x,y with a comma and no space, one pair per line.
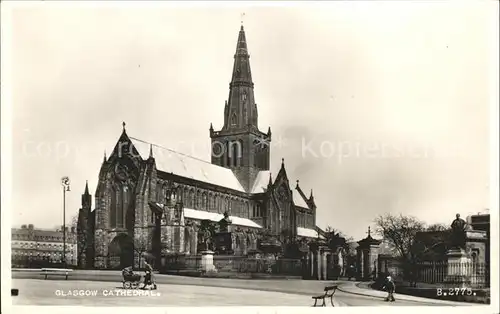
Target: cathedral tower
84,230
239,145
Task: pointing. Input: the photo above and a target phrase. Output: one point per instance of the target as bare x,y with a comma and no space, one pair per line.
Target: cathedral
152,199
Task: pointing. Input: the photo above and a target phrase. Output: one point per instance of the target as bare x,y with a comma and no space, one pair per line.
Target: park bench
56,271
329,292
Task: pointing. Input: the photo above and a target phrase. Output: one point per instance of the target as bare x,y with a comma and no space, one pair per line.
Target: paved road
185,291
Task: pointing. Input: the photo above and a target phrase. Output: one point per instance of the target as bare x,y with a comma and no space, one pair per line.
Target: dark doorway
121,252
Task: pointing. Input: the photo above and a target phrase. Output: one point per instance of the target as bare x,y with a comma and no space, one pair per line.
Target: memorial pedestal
458,273
207,261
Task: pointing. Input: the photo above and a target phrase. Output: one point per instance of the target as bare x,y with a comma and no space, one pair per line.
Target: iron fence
471,274
240,264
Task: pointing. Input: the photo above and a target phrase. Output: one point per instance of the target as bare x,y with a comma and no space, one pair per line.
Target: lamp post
65,184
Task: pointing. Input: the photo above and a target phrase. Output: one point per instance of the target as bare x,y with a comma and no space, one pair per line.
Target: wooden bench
329,292
56,271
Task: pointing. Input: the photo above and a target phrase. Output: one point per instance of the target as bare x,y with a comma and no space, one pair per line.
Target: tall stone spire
239,145
86,197
241,68
241,108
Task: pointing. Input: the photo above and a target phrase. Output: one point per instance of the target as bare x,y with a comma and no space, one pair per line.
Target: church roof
305,232
260,186
261,182
186,166
216,217
298,200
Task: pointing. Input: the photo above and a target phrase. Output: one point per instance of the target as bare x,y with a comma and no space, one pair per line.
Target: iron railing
240,264
471,274
468,273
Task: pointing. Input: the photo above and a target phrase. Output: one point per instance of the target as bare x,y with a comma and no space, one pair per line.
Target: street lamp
65,184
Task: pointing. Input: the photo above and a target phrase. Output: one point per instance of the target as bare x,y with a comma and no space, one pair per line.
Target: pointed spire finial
242,15
270,179
282,162
86,187
369,232
311,196
150,150
211,127
297,184
124,124
105,158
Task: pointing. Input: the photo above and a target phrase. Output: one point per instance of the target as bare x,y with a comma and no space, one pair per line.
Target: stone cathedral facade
151,199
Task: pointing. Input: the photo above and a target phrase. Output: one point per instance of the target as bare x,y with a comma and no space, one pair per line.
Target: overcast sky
399,90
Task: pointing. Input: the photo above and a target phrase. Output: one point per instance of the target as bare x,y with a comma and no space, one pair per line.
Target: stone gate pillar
324,264
367,253
311,265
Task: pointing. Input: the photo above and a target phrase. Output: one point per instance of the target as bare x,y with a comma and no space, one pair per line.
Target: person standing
390,287
148,278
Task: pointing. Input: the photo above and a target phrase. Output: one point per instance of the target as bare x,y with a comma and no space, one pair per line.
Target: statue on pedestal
223,243
206,232
224,223
458,231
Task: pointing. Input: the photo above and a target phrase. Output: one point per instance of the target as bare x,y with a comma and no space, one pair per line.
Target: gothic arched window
235,153
125,204
217,203
120,201
198,200
234,119
112,210
191,199
159,193
119,208
227,158
204,205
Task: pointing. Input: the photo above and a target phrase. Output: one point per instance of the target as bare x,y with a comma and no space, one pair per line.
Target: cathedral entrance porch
121,252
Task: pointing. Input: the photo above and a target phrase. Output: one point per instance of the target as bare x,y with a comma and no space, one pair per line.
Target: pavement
196,291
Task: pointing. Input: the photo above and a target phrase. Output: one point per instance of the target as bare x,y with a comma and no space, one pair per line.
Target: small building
36,248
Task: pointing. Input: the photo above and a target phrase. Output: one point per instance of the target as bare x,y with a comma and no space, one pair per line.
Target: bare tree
335,237
400,232
432,243
141,247
437,227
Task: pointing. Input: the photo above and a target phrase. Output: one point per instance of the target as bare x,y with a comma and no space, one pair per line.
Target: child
127,271
390,287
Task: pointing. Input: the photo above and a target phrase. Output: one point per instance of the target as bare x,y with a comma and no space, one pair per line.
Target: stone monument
367,257
458,233
458,259
223,239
